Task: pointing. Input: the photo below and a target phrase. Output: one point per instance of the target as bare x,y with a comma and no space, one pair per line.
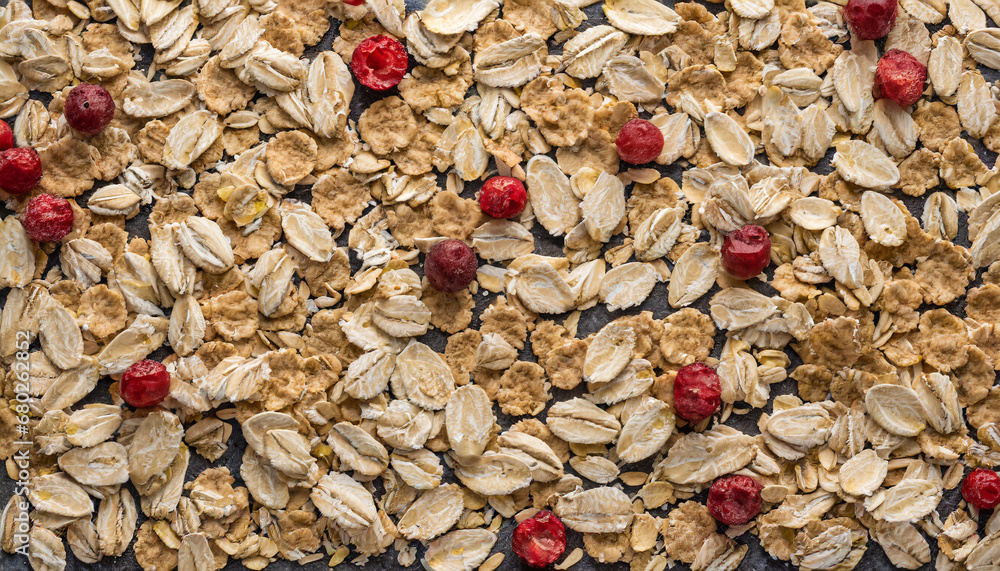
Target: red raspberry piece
697,392
870,19
379,62
145,384
354,2
6,136
540,540
746,252
900,77
20,170
47,218
981,488
89,108
639,142
734,500
502,197
450,266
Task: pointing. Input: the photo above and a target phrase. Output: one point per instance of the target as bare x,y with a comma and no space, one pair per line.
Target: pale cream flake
434,513
306,231
455,17
894,129
203,242
629,79
603,207
597,469
966,16
57,494
814,213
975,103
511,63
944,68
270,280
493,474
728,139
628,285
17,262
841,256
402,316
694,274
103,465
927,11
646,430
345,501
539,286
153,448
940,216
895,408
189,138
469,421
862,474
641,17
584,55
902,543
502,240
939,398
883,220
60,336
865,165
369,374
701,457
421,469
275,437
552,199
358,450
658,233
114,200
545,466
597,510
581,421
145,335
423,377
116,522
459,550
609,353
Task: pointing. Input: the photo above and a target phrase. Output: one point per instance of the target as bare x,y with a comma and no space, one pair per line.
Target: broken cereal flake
281,31
688,336
388,125
218,284
937,124
705,84
236,141
983,304
450,312
802,44
597,151
206,196
835,343
219,88
107,36
111,236
538,429
531,16
115,152
331,277
564,116
67,293
506,321
453,216
943,340
944,273
323,335
150,140
523,389
407,223
961,166
648,198
254,244
334,151
901,298
172,209
813,382
918,172
460,354
745,81
311,17
418,158
425,88
214,352
608,547
546,336
339,198
102,311
150,551
69,167
290,156
696,42
564,364
974,379
233,315
685,530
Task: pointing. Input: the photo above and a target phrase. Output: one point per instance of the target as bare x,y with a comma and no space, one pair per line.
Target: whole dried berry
981,488
20,170
6,136
697,392
639,142
870,19
540,540
746,252
47,218
734,500
145,384
900,77
379,62
450,266
89,108
502,197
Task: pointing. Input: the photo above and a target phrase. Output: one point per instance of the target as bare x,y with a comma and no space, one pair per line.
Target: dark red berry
697,392
734,500
6,136
20,170
870,19
450,266
981,488
47,218
89,108
502,197
540,540
379,62
354,2
145,384
900,77
746,252
639,142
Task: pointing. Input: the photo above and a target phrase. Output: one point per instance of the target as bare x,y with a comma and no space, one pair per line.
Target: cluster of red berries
899,77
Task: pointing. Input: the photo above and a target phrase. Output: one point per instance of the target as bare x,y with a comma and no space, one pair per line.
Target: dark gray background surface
591,321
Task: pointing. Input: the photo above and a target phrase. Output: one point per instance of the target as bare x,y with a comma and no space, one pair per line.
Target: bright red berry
145,384
639,142
540,540
697,392
450,266
734,500
20,170
746,252
354,2
502,197
47,218
89,108
870,19
900,77
379,62
981,488
6,136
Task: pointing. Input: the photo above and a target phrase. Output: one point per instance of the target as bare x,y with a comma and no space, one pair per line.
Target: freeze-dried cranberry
145,384
697,392
981,488
47,218
6,136
540,540
354,2
900,77
20,170
450,266
89,108
502,197
746,252
870,19
379,62
639,142
734,500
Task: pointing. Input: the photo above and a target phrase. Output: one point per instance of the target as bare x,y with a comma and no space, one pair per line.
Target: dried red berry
900,77
47,218
746,252
354,2
697,392
540,540
734,500
981,488
502,197
145,384
6,136
870,19
20,170
639,142
379,62
89,108
450,266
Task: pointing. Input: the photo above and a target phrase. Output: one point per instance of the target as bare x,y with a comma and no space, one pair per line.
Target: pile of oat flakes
361,439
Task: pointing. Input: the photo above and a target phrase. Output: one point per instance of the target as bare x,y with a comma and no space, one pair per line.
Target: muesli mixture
213,243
